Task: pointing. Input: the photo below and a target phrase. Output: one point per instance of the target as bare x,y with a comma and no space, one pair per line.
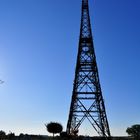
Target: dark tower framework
87,100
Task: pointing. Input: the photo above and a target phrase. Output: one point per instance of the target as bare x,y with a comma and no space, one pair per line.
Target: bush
134,131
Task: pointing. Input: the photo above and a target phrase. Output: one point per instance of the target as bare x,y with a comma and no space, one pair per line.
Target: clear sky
38,49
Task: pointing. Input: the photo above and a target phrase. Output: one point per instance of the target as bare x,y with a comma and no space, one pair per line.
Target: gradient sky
38,49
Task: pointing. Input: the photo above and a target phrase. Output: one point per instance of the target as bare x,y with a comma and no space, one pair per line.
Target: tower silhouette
87,100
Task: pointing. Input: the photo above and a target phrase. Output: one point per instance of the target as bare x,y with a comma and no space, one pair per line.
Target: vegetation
11,135
64,136
134,131
2,134
54,127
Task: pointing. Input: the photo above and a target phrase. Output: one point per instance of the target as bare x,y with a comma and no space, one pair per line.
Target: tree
21,135
54,127
134,131
11,135
2,134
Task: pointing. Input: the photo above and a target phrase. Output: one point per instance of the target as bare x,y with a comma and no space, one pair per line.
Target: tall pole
87,100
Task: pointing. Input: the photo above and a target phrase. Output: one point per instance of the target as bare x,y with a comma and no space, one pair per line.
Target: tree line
55,127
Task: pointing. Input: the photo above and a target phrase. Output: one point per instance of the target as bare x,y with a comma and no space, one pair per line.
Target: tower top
85,30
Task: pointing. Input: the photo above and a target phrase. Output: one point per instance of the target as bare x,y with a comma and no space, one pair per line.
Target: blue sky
38,49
